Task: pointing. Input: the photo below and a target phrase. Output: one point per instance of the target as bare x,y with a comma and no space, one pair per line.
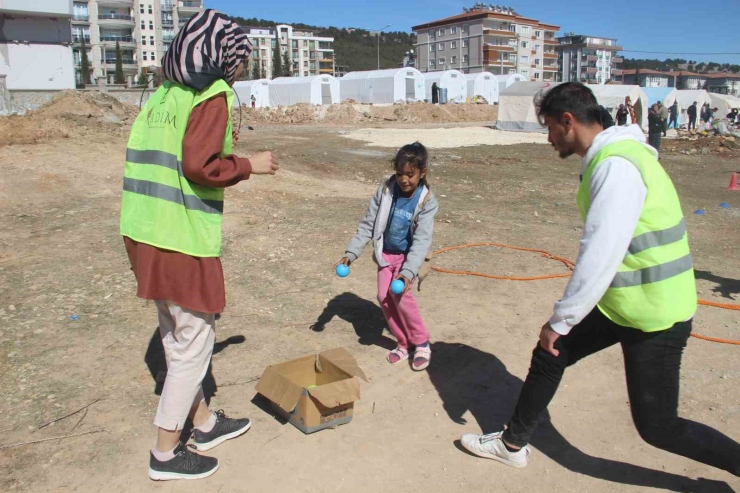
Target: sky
657,25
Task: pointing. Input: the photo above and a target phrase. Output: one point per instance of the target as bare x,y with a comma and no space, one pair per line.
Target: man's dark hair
569,97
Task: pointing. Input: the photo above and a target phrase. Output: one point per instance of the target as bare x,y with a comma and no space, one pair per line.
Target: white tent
507,80
483,84
516,111
318,89
245,89
610,96
452,80
383,86
724,103
686,98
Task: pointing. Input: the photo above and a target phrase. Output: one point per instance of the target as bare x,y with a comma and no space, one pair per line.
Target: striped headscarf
209,47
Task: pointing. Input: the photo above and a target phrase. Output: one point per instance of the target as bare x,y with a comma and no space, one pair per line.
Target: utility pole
380,31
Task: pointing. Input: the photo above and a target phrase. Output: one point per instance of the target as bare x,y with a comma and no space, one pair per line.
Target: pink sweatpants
401,311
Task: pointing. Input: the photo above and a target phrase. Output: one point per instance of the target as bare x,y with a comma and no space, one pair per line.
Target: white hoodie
617,197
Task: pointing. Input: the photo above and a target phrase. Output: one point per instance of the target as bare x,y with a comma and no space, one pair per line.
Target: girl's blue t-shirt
397,237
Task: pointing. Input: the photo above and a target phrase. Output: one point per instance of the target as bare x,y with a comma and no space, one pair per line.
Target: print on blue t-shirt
397,237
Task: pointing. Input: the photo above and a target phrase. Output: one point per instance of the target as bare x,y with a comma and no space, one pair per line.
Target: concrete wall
37,66
22,101
27,29
61,8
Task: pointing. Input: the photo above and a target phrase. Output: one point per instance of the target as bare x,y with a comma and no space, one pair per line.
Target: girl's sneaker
422,357
397,355
184,465
492,447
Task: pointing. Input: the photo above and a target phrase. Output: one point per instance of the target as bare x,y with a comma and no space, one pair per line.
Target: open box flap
279,389
337,393
342,359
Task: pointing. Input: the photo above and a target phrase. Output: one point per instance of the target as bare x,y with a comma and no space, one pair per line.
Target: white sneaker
492,447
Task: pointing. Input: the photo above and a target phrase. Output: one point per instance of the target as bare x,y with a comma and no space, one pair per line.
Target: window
453,59
432,63
442,61
538,34
150,9
143,56
465,28
525,29
151,54
512,71
305,73
273,43
143,40
453,45
151,40
431,48
465,58
525,58
465,43
525,44
525,73
536,75
143,26
536,62
441,47
305,53
305,43
537,47
441,32
295,43
453,30
151,25
141,8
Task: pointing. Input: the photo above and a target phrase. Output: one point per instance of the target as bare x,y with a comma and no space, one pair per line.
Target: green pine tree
84,62
256,70
119,65
143,80
277,60
287,65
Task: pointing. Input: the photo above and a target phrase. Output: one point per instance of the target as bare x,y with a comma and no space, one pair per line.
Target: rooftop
483,14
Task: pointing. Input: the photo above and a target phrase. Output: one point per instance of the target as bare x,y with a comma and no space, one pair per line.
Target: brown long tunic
192,282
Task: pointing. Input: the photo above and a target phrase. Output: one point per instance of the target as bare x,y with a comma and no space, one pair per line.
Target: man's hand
406,283
548,338
234,137
264,163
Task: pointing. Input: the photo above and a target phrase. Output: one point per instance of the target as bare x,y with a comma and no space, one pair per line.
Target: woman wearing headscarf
178,161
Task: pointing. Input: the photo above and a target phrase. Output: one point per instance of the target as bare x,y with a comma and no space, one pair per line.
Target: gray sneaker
225,429
492,447
184,465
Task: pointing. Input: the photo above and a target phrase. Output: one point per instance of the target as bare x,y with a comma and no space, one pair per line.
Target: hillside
356,49
680,64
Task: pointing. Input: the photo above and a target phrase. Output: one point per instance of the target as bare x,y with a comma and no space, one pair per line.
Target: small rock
536,214
711,409
704,151
271,226
445,196
11,308
477,220
448,221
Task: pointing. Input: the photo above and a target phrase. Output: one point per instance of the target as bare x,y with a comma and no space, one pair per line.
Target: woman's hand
343,260
264,163
234,137
406,283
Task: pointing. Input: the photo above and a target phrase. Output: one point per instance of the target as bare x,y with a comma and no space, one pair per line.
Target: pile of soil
69,114
702,144
350,112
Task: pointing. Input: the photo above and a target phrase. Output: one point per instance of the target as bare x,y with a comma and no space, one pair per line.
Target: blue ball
398,286
342,270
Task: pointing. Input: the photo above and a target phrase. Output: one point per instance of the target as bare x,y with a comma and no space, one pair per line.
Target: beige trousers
187,337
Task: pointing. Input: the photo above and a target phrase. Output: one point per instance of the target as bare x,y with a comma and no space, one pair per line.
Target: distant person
673,110
435,93
633,285
622,114
705,112
711,113
606,118
691,114
664,114
400,221
631,109
655,126
254,101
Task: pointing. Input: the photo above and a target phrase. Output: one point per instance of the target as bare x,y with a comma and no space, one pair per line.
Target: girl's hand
343,260
234,137
406,282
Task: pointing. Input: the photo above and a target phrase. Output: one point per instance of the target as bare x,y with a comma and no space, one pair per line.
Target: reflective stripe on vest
654,287
160,206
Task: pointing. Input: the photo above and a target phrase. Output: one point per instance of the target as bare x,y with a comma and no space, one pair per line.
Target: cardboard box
314,392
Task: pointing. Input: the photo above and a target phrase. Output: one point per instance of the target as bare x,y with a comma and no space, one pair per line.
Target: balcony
77,39
550,54
550,68
550,41
168,38
80,18
328,70
168,23
116,3
589,58
496,32
491,47
617,60
115,20
588,70
123,41
616,71
498,63
189,6
166,6
128,63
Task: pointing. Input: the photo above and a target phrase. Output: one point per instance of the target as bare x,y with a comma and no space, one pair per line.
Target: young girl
400,221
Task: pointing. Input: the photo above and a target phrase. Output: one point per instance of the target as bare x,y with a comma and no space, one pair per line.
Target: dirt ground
72,330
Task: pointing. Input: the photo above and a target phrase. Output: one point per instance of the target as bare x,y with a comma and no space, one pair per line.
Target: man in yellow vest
179,159
633,285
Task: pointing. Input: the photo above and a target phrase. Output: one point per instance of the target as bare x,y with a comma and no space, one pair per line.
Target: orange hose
570,265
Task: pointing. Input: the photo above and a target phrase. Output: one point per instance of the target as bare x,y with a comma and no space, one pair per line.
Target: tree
277,60
119,65
84,63
256,70
287,65
143,80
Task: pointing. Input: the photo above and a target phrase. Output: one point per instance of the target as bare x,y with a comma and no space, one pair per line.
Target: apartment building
724,84
487,38
144,30
310,54
589,59
35,52
649,78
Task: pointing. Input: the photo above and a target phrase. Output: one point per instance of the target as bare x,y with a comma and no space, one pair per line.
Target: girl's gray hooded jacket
373,225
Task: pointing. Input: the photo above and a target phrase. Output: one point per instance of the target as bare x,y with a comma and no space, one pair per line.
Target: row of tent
373,87
517,110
